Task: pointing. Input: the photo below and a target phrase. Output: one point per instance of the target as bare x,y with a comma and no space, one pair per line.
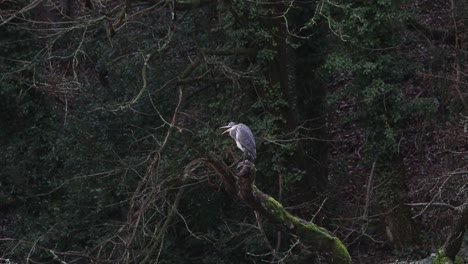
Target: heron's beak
227,130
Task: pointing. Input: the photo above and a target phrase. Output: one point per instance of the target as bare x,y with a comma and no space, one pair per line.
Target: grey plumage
244,138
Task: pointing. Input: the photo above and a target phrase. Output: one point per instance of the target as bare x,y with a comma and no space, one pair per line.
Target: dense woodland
111,151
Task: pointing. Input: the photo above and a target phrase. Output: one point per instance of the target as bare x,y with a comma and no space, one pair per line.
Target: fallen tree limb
241,184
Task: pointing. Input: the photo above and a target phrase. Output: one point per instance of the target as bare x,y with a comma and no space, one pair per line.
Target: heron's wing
245,137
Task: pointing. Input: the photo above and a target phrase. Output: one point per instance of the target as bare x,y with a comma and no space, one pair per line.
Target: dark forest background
359,109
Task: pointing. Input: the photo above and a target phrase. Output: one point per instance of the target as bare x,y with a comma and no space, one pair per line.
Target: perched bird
244,138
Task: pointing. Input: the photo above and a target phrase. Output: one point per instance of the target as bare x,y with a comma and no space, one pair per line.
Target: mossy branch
241,184
442,258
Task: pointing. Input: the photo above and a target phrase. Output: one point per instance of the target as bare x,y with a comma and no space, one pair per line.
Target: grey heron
244,138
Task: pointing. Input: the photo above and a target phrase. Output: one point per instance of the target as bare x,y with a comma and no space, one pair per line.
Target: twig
365,215
320,209
426,205
56,257
258,218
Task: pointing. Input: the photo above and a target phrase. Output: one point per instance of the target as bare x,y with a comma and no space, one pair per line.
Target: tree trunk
399,225
311,104
305,101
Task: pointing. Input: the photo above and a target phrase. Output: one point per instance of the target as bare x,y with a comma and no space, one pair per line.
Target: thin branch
23,10
438,205
370,181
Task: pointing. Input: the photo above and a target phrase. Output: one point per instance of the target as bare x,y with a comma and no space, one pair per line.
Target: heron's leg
237,162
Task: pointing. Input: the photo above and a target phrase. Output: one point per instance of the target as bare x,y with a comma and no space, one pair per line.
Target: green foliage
87,145
75,167
294,176
70,166
379,72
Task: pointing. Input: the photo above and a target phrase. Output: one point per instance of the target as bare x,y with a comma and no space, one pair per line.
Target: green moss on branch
310,233
442,258
241,184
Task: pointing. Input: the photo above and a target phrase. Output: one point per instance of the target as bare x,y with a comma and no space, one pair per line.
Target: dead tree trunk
241,184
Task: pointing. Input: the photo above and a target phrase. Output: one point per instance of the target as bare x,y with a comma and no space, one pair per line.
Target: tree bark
241,185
